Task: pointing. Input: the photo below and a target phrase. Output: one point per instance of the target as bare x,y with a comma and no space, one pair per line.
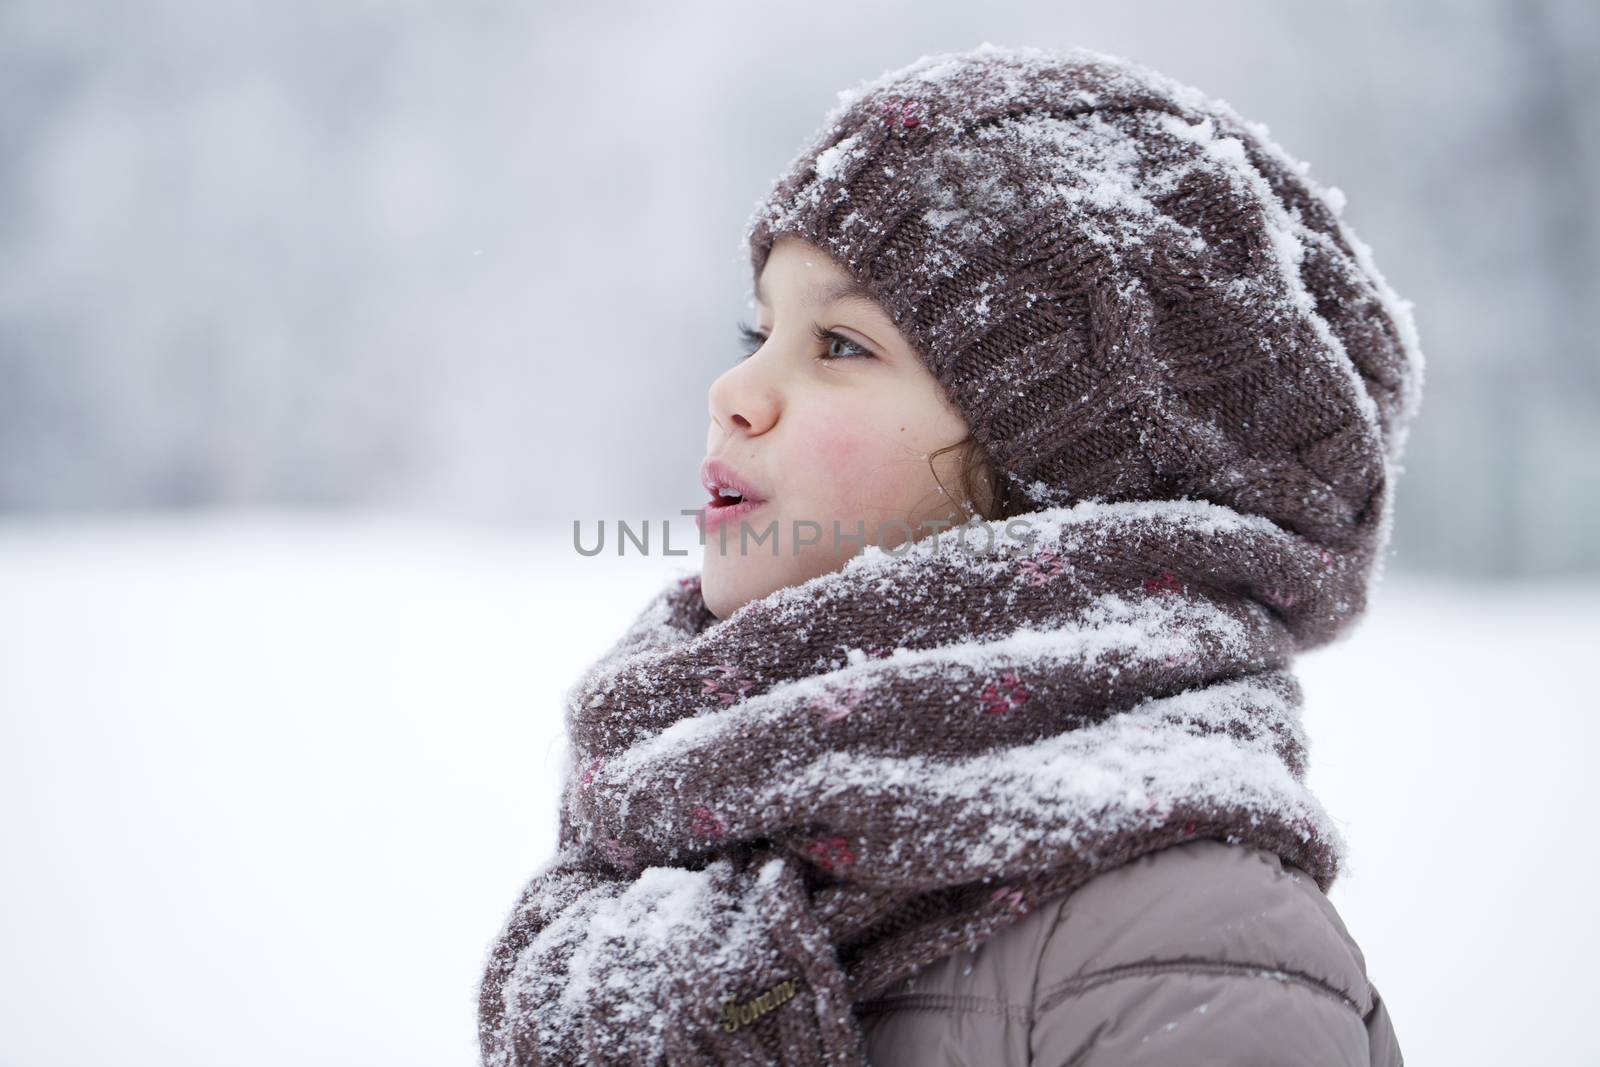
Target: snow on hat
1129,291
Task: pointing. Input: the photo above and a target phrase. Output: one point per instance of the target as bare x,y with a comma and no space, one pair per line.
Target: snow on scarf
771,816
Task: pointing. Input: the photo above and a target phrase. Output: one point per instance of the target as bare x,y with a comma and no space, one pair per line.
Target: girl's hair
981,487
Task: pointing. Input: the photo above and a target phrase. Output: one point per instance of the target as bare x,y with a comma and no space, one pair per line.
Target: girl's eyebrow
847,291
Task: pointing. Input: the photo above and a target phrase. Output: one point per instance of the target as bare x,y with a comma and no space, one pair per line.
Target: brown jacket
1202,953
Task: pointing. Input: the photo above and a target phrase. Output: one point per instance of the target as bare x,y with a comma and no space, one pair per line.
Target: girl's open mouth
723,509
733,496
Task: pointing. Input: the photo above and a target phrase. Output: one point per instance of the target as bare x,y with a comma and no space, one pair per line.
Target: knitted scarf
771,816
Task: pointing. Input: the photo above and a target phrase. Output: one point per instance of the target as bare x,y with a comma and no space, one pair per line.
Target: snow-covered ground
271,783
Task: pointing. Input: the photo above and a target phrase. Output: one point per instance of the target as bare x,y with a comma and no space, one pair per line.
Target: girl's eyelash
754,339
827,337
750,339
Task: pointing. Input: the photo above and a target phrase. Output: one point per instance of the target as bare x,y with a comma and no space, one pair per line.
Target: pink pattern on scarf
705,823
1003,696
1165,582
831,853
729,684
1042,566
837,705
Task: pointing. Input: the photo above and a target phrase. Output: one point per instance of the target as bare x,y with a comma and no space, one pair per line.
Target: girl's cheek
856,472
839,452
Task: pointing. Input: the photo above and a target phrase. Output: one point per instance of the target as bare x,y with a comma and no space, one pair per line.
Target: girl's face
821,431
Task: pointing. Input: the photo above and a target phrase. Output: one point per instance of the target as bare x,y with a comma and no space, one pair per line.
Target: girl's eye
752,339
829,338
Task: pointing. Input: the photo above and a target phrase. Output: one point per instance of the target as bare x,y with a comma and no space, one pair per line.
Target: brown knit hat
1129,291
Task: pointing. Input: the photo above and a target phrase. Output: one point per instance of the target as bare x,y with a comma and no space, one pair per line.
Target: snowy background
270,784
320,323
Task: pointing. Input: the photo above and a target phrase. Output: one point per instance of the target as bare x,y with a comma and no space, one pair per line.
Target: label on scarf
735,1014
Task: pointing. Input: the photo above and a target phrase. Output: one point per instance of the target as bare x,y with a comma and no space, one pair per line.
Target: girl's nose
743,401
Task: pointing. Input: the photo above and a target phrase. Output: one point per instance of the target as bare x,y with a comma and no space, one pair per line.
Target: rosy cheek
863,471
837,457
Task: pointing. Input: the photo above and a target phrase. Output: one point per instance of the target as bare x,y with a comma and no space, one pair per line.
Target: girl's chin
728,581
725,593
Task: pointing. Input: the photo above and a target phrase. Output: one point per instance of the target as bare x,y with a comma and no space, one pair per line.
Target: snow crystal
620,938
939,219
832,161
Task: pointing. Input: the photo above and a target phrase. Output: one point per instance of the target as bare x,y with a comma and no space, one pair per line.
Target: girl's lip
711,517
716,475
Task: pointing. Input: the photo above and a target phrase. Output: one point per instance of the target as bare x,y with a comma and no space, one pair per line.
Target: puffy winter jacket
1201,953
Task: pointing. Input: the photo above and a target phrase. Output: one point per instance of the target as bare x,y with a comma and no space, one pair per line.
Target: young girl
1071,415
